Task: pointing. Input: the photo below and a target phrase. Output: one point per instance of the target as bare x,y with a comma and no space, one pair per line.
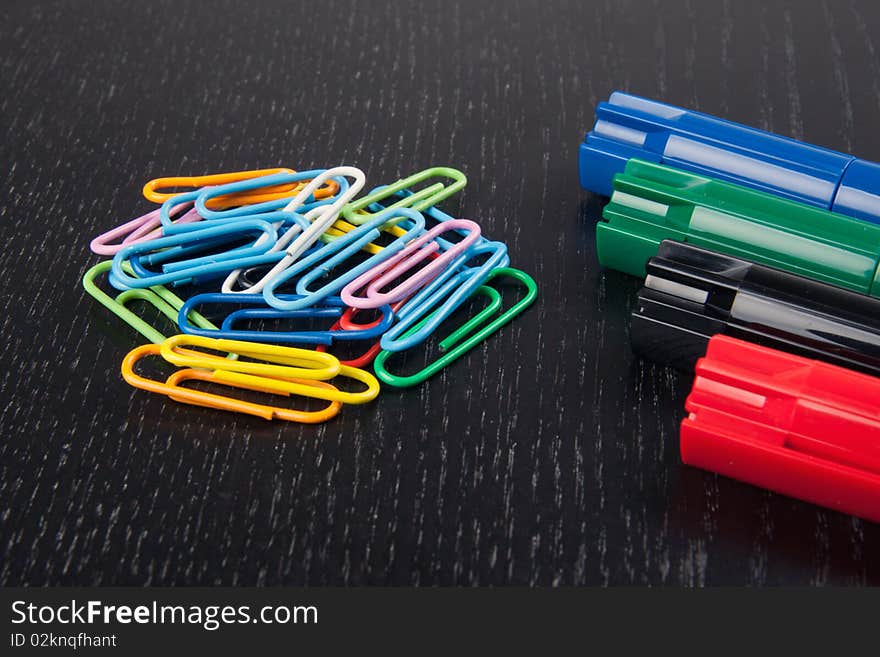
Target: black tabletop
549,455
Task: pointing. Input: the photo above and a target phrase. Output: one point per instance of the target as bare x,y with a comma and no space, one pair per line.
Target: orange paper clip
172,389
270,193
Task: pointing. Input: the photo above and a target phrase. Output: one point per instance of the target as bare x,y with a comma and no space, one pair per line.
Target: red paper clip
795,426
346,323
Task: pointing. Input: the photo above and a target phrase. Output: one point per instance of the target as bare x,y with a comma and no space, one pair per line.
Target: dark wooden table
550,454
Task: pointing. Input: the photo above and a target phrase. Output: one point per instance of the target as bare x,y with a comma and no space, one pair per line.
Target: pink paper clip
415,252
140,229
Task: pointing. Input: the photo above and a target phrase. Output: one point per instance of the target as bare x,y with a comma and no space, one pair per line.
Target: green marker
652,202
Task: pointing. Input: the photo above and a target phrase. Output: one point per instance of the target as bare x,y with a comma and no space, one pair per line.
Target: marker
691,294
792,425
652,202
632,127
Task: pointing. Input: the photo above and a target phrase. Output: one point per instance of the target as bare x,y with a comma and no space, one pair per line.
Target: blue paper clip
172,258
446,292
278,217
331,307
254,254
206,267
203,196
330,255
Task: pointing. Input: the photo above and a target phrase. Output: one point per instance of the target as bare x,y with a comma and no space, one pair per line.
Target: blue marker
633,127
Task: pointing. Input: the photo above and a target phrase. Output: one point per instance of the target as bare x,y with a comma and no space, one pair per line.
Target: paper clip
267,211
327,257
341,227
159,297
152,229
158,222
330,307
402,197
282,190
443,295
466,337
414,253
281,365
346,323
172,389
207,197
279,361
138,229
147,226
294,243
185,271
356,212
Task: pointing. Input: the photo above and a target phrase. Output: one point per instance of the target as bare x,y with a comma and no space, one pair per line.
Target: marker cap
691,294
652,202
792,425
628,127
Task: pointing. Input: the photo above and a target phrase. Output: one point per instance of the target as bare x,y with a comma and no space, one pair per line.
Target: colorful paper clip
326,258
653,202
295,242
330,307
469,335
159,297
282,190
140,229
419,250
281,367
358,211
172,388
443,295
158,251
149,226
630,127
691,294
795,426
206,198
346,323
342,256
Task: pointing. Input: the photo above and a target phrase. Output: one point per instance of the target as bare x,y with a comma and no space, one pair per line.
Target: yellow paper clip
285,362
172,388
281,370
341,227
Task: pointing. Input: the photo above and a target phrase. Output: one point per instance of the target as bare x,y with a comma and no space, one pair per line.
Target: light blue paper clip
448,291
206,194
330,255
183,272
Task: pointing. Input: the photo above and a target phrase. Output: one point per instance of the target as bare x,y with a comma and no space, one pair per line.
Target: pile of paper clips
299,246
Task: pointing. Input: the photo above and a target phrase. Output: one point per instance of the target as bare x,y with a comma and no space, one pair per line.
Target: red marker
795,426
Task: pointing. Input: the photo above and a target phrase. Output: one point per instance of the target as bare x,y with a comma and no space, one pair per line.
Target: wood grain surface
549,456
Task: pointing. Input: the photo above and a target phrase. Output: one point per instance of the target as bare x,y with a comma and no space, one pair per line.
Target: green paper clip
420,200
457,343
160,297
652,202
